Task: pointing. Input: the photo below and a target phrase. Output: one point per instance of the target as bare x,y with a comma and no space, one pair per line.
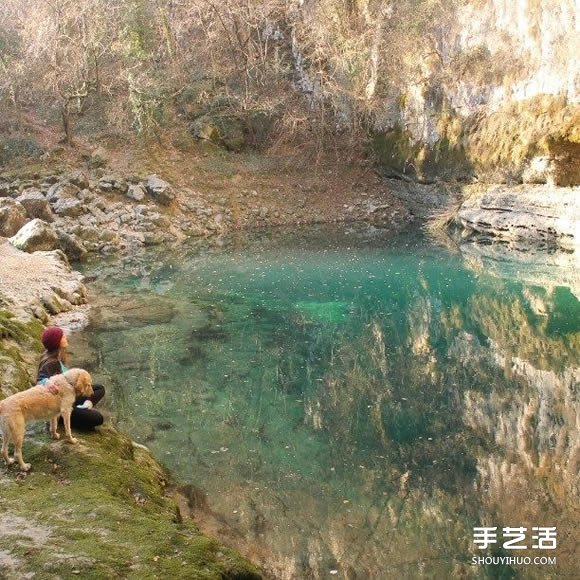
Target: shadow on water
357,402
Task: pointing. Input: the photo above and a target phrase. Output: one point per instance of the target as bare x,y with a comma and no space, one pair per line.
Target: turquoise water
353,403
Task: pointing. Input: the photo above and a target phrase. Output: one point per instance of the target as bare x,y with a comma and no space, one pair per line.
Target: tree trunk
66,122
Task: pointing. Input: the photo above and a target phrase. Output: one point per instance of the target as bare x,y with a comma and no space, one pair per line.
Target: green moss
447,160
394,150
234,130
19,347
10,328
505,140
98,509
495,147
104,505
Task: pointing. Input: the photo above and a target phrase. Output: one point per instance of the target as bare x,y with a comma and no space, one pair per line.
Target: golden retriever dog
37,404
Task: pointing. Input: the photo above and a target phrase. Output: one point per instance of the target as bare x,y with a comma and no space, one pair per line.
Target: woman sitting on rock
52,363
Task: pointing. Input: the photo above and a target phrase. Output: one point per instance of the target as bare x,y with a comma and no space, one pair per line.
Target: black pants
88,418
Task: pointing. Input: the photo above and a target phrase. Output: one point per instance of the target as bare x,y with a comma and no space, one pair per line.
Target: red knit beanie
51,338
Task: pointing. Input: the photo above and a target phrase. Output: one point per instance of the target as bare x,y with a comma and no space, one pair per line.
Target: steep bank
99,509
452,89
493,96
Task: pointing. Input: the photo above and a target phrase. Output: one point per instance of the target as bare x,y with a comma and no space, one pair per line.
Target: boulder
70,207
88,233
34,236
12,216
36,205
86,195
112,183
160,190
61,190
79,179
54,304
152,238
71,246
98,158
122,312
136,192
224,130
5,189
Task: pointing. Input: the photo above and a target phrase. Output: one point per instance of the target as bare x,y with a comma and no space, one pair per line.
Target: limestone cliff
493,95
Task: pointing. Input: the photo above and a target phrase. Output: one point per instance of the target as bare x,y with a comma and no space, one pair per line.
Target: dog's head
81,381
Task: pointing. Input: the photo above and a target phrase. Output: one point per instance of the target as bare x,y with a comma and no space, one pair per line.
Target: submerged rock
122,312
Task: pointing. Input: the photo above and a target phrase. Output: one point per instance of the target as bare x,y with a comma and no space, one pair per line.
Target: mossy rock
395,152
19,349
99,510
224,130
234,131
398,156
496,147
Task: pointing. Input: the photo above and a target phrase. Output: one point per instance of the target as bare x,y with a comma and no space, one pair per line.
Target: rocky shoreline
47,221
523,215
139,525
97,212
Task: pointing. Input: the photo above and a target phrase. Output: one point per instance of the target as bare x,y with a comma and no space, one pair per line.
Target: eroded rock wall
524,215
495,96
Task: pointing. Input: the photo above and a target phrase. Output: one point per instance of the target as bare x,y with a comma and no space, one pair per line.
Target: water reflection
353,402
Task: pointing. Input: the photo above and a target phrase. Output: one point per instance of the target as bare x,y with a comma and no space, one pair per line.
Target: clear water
353,402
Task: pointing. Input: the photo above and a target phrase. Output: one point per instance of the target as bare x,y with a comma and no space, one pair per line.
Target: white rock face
38,284
541,35
533,45
492,84
539,170
526,214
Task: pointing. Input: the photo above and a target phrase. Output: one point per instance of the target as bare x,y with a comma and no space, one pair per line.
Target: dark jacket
49,365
